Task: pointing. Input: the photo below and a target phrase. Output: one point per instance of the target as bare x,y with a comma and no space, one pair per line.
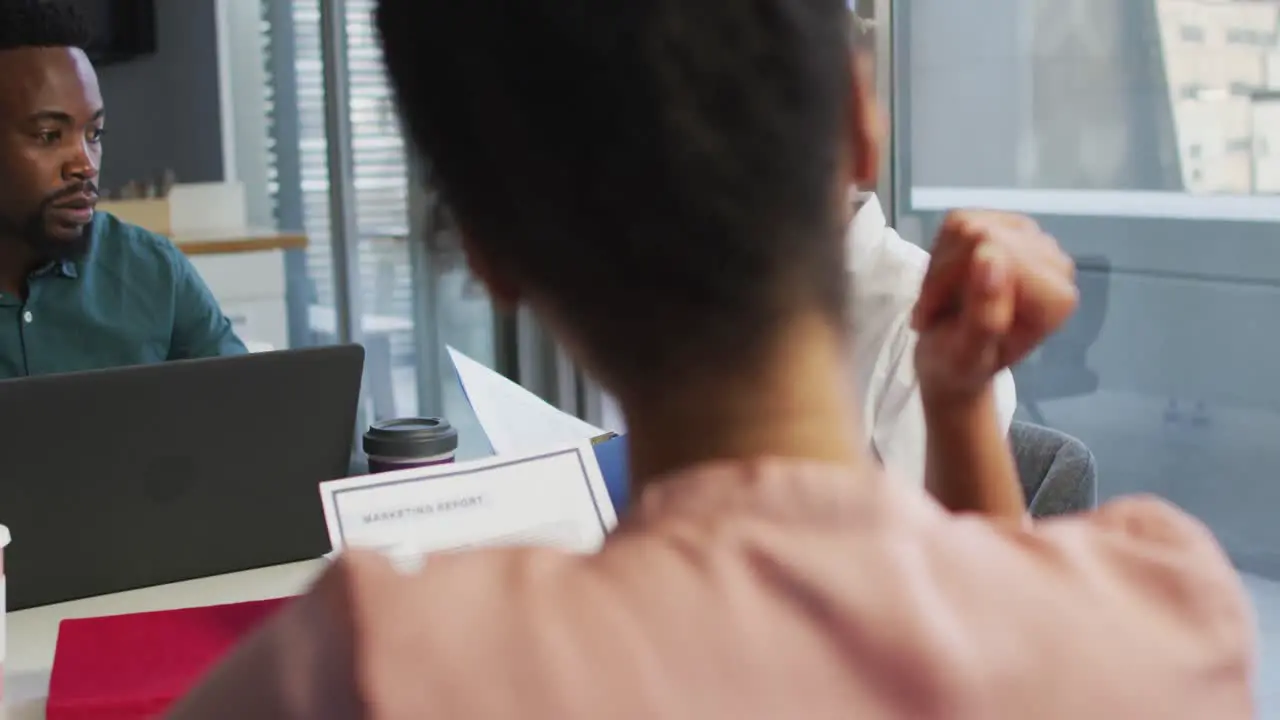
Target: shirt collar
866,231
63,268
71,268
787,489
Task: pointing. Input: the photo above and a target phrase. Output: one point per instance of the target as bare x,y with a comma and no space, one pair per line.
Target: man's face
51,119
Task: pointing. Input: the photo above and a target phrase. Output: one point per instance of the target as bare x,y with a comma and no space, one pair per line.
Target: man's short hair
664,175
40,23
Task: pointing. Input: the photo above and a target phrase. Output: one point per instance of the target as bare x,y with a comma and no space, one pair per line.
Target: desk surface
33,634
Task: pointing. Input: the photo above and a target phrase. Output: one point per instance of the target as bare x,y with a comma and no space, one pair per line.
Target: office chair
1059,474
1060,368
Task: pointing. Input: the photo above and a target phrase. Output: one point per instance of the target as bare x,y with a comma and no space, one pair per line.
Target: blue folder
612,456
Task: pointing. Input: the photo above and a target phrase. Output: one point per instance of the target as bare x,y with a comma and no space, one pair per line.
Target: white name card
555,498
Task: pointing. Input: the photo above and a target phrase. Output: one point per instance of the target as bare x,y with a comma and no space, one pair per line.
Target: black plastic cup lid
410,438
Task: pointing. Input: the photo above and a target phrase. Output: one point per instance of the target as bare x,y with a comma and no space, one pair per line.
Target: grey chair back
1060,367
1059,474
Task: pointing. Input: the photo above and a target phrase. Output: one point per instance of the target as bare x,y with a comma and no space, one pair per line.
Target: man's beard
54,249
34,231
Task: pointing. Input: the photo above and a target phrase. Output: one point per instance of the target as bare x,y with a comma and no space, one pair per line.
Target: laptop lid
131,477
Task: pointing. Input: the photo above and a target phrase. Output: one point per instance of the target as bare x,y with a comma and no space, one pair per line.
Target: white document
554,498
516,420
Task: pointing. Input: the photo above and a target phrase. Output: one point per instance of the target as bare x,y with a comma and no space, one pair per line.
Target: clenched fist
996,287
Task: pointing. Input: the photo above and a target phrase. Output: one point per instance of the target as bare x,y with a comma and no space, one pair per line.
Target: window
1167,370
1192,34
379,203
409,303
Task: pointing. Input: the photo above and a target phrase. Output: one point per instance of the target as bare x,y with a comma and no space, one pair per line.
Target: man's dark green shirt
133,299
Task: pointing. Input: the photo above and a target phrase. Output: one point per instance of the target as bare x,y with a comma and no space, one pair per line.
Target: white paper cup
4,542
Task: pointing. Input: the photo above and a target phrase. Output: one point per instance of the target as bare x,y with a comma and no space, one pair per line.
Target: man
885,274
659,181
79,289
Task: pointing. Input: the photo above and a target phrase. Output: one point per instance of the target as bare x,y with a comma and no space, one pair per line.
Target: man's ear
504,291
866,124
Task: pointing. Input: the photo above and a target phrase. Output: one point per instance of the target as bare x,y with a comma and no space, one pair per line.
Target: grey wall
163,110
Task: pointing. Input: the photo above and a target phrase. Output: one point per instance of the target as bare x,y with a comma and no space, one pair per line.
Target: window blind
380,195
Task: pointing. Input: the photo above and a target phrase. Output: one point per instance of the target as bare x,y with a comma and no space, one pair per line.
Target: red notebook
127,667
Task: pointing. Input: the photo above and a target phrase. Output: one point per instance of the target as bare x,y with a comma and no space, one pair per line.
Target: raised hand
996,287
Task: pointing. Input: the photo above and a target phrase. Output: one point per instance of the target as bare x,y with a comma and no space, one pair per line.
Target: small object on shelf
167,180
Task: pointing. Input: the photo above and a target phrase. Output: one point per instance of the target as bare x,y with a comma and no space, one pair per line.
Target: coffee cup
409,443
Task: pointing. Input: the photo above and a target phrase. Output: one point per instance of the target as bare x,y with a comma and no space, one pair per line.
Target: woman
662,182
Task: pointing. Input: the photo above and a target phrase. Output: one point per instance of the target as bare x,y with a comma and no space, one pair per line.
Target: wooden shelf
239,241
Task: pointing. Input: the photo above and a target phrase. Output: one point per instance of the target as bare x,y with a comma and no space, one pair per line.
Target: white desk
33,634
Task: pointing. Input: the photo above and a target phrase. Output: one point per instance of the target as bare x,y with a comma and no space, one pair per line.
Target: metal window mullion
344,247
344,232
885,77
567,396
424,214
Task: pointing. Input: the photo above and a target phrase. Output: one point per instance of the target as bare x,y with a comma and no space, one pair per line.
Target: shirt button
27,316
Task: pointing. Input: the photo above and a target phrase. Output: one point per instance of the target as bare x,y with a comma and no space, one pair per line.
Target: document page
554,498
516,420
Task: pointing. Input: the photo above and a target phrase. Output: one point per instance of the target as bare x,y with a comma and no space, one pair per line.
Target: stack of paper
556,497
516,420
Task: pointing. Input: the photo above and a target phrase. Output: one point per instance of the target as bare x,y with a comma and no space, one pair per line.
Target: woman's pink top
779,590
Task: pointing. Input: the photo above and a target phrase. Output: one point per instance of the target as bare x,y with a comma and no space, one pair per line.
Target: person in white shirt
886,273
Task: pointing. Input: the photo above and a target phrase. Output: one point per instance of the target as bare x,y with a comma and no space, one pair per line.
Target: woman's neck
800,405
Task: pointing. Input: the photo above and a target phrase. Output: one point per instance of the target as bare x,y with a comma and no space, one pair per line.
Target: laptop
125,478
